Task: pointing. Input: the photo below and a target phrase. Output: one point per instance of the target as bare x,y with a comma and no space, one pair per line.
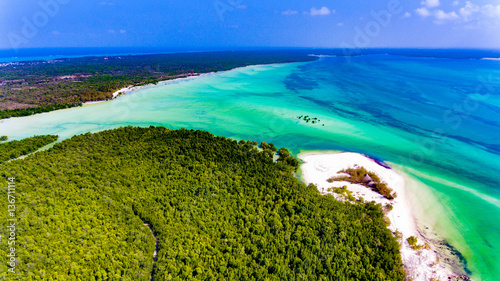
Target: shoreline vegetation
32,87
220,209
132,88
14,149
347,177
359,175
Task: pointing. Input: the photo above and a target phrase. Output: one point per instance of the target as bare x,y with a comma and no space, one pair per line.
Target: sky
250,23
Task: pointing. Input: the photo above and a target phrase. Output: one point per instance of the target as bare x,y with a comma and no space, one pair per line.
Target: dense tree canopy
221,210
13,149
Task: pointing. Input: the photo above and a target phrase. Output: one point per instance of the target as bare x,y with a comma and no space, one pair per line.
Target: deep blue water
58,53
28,54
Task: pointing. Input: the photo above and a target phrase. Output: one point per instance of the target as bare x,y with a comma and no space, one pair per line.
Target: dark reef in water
457,254
379,162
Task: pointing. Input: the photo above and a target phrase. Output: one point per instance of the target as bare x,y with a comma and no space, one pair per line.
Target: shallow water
437,120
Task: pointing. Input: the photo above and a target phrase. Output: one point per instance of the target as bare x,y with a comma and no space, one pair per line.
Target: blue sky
233,23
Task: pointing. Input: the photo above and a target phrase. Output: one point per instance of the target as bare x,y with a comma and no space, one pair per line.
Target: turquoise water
437,120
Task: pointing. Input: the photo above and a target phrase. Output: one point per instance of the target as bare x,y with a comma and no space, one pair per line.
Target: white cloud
491,11
324,11
111,31
442,16
340,24
407,15
107,3
430,3
123,31
241,7
289,12
470,13
423,12
55,32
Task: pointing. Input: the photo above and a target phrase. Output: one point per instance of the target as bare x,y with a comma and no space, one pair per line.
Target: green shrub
412,241
357,174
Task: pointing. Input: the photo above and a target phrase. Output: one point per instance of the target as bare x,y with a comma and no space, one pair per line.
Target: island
152,203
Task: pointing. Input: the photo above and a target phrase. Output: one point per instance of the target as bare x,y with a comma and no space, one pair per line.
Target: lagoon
435,119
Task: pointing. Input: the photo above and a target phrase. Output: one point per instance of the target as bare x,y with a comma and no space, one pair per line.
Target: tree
219,210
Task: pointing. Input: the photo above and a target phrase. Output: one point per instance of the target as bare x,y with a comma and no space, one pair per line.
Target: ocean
45,54
436,119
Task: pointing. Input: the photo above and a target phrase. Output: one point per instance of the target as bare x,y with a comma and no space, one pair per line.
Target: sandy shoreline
131,88
421,264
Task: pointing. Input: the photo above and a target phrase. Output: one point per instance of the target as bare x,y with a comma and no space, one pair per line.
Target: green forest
32,87
13,149
220,209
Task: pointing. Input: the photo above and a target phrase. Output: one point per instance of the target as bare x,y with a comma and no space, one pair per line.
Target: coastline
131,88
422,264
323,142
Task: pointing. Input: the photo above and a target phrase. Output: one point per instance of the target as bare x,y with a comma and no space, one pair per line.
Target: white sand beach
121,91
319,167
114,95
